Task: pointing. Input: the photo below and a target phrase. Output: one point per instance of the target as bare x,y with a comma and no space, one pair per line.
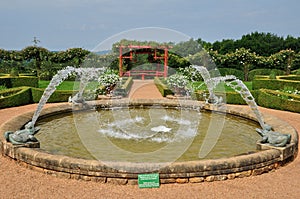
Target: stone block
196,180
210,178
117,181
182,180
167,180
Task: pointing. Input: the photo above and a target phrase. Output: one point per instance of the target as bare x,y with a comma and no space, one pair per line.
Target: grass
220,87
67,85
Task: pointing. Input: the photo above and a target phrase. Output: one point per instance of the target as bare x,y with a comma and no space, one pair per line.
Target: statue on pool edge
22,136
273,138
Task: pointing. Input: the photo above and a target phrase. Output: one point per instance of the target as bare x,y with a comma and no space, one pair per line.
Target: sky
63,24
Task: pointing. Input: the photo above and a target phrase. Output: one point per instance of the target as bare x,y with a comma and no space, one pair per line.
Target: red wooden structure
136,49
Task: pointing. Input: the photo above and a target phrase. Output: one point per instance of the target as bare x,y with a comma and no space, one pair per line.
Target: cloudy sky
62,24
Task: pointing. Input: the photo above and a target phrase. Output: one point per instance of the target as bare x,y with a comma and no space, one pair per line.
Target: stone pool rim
265,160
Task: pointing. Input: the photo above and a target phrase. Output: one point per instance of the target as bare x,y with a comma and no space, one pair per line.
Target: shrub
125,87
162,87
290,77
57,96
15,97
274,84
279,100
267,72
11,82
231,71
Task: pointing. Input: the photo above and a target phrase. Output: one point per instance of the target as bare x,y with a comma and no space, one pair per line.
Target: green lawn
220,87
67,85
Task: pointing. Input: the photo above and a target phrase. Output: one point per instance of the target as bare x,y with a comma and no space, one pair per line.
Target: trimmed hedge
231,71
231,97
11,82
15,97
57,96
274,84
290,77
266,72
162,87
125,87
270,99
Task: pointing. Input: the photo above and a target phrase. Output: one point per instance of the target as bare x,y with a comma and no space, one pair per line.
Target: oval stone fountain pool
145,130
120,139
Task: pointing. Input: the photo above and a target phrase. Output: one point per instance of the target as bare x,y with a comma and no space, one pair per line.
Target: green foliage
2,87
177,81
11,82
15,97
274,84
162,87
263,44
296,72
290,77
278,100
264,71
186,48
57,96
124,88
231,71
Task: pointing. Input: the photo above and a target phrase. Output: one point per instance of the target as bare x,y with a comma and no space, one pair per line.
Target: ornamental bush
11,82
15,97
177,81
57,96
162,87
108,79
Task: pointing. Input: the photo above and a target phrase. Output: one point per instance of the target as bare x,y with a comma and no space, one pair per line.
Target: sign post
150,180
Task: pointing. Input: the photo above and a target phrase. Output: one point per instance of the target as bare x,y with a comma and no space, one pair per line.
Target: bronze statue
22,136
274,138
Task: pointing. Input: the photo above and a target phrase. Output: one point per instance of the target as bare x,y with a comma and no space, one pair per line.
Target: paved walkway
19,182
144,89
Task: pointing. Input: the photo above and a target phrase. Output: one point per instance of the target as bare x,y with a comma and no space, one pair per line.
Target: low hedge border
125,87
270,99
231,97
274,84
162,87
290,77
12,82
57,96
15,97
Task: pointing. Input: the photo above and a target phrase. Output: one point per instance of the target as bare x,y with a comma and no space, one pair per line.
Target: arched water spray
241,88
86,74
207,79
235,84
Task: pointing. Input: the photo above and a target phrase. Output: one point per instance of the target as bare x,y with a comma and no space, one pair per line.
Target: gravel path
19,182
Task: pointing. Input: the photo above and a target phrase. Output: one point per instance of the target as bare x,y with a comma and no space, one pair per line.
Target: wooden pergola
137,49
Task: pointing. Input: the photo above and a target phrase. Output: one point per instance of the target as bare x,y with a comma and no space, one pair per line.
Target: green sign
150,180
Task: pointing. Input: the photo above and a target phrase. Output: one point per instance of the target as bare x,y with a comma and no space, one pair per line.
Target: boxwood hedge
11,82
274,84
57,96
278,100
162,87
15,97
125,87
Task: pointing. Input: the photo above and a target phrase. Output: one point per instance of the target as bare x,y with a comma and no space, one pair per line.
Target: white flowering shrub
177,81
107,83
108,80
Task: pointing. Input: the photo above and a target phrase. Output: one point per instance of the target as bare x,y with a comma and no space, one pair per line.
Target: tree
186,48
283,60
38,54
244,58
